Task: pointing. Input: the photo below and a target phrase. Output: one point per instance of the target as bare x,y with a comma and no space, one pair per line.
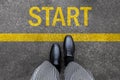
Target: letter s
38,18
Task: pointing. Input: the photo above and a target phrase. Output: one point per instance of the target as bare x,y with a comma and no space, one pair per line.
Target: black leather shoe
55,56
69,49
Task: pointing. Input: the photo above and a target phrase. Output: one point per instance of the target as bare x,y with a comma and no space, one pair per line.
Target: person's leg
46,71
75,71
49,70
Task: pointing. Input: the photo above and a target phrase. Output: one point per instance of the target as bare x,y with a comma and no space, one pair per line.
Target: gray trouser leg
76,72
46,71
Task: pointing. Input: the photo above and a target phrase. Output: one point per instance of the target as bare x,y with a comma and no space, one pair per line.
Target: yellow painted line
59,37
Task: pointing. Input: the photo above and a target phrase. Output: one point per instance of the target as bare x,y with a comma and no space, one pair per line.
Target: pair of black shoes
68,48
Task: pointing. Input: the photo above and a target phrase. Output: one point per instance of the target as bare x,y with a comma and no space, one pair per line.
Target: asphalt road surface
19,59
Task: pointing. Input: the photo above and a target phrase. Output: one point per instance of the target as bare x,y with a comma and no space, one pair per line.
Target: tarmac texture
18,60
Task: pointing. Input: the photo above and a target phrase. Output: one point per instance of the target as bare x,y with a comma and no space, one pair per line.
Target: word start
59,16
